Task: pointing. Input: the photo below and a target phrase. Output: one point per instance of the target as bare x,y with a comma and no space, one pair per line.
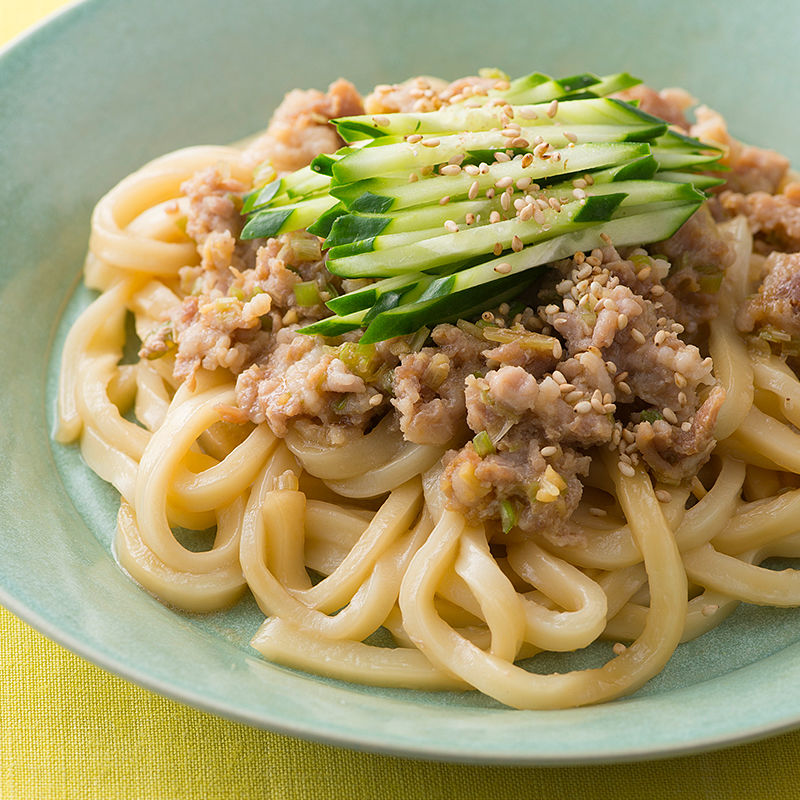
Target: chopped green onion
650,415
306,293
482,443
508,515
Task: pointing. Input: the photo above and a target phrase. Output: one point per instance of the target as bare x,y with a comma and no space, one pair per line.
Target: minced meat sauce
606,352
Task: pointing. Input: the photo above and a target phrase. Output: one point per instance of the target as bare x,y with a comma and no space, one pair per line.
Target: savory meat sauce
607,351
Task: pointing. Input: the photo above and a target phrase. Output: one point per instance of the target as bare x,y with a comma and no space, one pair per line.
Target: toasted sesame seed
573,397
540,149
624,388
414,138
523,183
551,309
657,290
511,132
606,238
579,183
626,469
501,157
450,169
526,213
552,109
570,137
569,304
451,226
494,217
487,316
516,244
471,169
497,249
538,215
445,200
527,112
483,167
619,648
557,350
430,142
584,407
659,337
520,142
638,336
566,388
677,327
489,193
548,451
469,218
527,160
473,190
598,406
669,415
554,204
413,177
503,268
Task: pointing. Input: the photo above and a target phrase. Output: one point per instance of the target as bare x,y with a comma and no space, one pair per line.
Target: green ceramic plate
105,86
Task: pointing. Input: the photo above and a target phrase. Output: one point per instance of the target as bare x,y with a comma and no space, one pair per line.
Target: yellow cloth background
69,730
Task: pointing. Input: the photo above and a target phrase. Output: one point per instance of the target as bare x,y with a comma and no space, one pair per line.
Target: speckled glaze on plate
103,87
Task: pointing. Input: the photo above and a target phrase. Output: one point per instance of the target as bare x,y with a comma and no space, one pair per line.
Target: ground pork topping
299,129
669,104
773,219
775,309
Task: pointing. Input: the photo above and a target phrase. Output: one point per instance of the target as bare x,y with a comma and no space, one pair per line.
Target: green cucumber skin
271,222
456,119
375,196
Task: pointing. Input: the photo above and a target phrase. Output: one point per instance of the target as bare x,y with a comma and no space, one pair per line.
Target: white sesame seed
682,399
510,132
538,215
445,200
659,337
597,512
549,451
626,469
504,183
451,226
503,268
569,305
584,407
578,193
526,213
638,336
619,648
489,193
669,415
430,142
505,201
516,244
450,169
471,169
552,109
413,177
573,397
554,204
469,218
494,217
624,388
663,496
523,183
557,351
597,405
579,183
497,249
483,167
473,190
566,388
657,290
527,112
413,138
501,157
540,149
686,426
381,121
709,610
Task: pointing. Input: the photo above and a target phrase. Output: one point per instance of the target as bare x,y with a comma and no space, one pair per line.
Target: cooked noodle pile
337,538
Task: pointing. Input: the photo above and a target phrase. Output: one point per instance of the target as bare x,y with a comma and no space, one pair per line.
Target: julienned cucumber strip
578,158
353,227
635,193
406,157
369,295
445,293
272,221
458,118
442,250
408,319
